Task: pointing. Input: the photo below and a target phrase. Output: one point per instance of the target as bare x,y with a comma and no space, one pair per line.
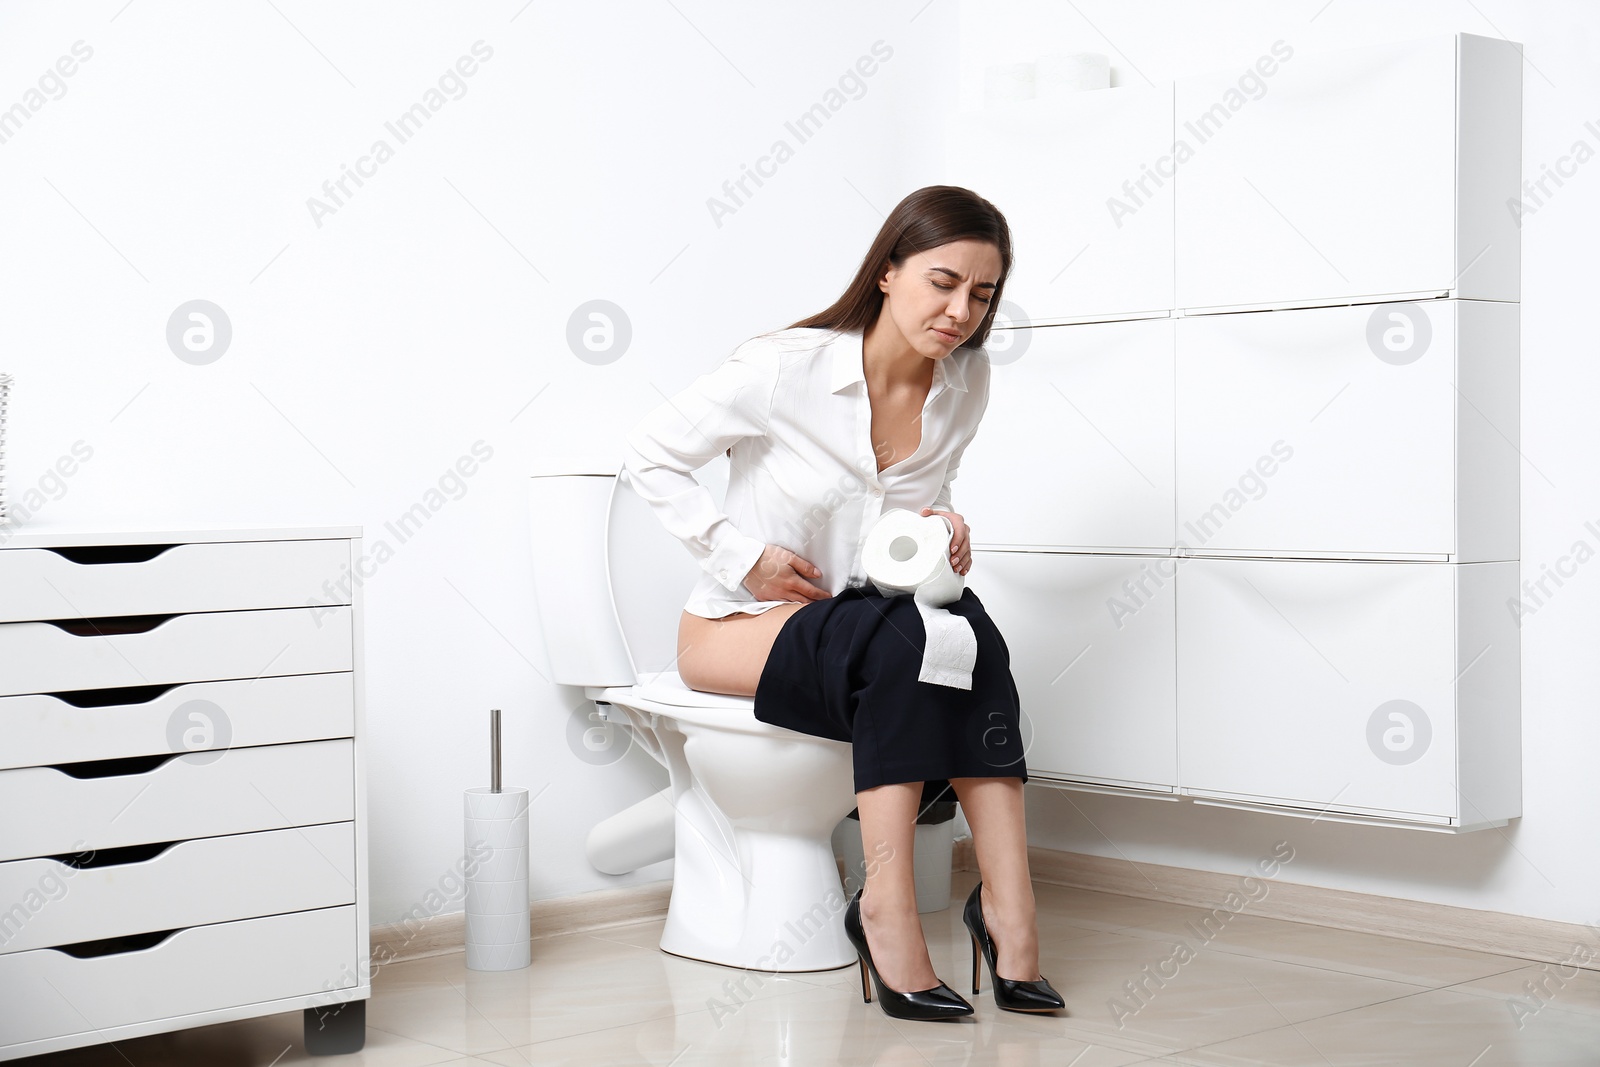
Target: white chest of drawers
182,798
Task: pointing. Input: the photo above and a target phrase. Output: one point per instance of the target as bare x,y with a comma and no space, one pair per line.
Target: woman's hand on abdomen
781,575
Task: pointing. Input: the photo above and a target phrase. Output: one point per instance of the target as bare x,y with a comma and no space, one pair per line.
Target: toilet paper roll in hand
909,553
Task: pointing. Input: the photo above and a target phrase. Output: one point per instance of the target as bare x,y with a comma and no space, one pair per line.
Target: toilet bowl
752,807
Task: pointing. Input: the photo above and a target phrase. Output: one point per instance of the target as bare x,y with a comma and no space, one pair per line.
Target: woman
861,408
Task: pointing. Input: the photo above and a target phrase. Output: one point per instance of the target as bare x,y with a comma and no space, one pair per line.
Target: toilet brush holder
496,833
496,837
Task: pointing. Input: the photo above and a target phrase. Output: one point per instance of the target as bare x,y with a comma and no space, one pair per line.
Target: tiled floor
1259,992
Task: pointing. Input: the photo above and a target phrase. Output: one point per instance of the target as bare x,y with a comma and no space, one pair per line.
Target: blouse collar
848,367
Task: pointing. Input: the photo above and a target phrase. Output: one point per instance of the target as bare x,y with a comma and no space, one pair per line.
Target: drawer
1036,154
41,657
1301,432
110,723
189,883
1289,672
264,788
1105,391
50,994
75,583
1098,687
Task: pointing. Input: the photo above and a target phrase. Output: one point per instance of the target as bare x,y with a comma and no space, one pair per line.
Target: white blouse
792,406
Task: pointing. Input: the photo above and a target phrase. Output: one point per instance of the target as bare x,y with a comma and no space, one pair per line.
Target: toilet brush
496,837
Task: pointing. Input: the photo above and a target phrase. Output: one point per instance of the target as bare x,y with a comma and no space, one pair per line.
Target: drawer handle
111,946
111,625
115,768
95,555
105,698
90,859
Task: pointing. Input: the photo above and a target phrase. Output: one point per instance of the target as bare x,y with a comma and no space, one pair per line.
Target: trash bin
935,841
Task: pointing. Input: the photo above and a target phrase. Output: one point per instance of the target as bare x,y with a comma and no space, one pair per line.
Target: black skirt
846,667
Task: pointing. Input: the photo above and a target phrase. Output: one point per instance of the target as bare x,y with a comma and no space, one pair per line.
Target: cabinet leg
335,1029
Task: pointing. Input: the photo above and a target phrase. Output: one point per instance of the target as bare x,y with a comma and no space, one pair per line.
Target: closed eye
975,296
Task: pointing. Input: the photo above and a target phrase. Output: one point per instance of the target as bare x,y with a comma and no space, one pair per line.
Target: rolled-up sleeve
727,404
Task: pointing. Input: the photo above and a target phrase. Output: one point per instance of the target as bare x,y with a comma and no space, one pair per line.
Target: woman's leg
727,655
994,810
889,902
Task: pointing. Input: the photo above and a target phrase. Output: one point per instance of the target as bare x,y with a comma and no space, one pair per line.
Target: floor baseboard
579,913
1522,937
1518,936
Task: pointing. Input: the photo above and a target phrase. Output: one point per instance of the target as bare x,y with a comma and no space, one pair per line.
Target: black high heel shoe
1010,994
940,1002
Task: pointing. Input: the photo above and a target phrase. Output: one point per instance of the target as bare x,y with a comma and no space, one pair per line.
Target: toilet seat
665,693
668,687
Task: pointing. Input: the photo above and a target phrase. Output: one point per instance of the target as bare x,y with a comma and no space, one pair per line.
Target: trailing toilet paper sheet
910,553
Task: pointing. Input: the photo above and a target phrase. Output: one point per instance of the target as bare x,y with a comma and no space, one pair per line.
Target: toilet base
788,917
755,884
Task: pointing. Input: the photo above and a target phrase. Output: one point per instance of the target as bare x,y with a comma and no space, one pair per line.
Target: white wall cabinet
1314,433
1351,689
1086,184
181,752
1301,432
1087,412
1372,171
1091,643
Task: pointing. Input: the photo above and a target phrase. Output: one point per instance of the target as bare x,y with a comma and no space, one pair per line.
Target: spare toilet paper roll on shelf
1005,82
909,553
1063,74
496,834
1049,77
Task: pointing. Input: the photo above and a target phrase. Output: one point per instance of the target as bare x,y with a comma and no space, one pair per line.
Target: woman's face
939,297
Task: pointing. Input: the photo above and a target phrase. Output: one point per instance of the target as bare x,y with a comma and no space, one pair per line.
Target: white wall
1543,864
430,311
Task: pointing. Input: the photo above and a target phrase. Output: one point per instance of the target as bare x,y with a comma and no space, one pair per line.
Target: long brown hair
932,216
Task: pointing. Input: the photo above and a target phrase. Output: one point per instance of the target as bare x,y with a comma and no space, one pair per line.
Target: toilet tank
651,572
610,580
569,506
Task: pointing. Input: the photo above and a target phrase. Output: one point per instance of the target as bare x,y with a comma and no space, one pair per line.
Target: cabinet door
1320,684
1332,177
1085,183
1075,449
1091,643
1303,432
